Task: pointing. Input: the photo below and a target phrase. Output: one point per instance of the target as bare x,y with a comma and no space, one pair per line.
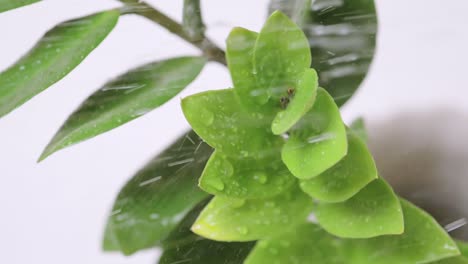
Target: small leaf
302,98
219,119
358,126
54,56
423,241
230,219
374,211
6,5
306,243
156,199
246,178
184,246
281,54
192,21
125,98
347,177
318,140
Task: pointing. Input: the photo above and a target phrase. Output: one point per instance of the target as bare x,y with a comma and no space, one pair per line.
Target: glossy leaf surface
6,5
56,54
374,211
246,178
156,199
318,140
219,119
347,177
230,219
281,54
299,101
125,98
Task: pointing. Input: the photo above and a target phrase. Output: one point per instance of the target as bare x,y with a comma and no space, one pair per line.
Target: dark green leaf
6,5
53,57
125,98
374,211
192,21
156,199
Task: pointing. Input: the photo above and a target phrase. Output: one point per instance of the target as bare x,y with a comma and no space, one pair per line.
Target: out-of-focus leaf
6,5
192,21
358,126
219,119
374,211
125,98
318,141
347,177
297,10
183,246
246,178
463,246
157,198
297,103
452,260
342,36
230,219
56,54
281,54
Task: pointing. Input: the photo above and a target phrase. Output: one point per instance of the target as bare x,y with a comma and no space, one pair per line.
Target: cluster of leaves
274,147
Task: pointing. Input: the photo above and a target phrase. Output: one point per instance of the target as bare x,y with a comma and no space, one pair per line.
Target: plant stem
210,50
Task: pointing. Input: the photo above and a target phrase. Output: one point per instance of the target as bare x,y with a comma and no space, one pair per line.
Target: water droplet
227,169
238,203
243,230
216,183
260,177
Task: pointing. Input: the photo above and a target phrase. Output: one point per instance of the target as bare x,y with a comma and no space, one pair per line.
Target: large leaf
230,219
347,177
183,246
281,54
6,5
374,211
156,199
342,36
318,141
54,56
246,178
125,98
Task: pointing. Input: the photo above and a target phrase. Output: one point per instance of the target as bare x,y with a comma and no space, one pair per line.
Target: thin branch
208,47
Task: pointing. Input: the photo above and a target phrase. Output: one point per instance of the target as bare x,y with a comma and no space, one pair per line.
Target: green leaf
230,219
374,211
358,127
6,5
281,54
306,243
453,260
297,10
463,246
347,177
219,119
125,98
302,98
246,178
318,140
156,199
53,57
423,241
192,21
183,246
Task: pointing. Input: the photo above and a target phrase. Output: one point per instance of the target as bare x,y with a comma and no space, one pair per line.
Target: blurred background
414,101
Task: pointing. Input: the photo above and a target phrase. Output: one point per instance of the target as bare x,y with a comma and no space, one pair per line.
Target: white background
55,211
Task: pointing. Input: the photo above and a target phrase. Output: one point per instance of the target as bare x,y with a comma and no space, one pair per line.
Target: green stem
210,50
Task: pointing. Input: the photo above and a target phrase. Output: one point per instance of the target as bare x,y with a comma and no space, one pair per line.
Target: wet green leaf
246,178
374,211
6,5
299,100
306,243
452,260
220,120
347,177
125,98
183,246
54,56
358,126
318,140
156,199
230,219
192,21
281,54
423,241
